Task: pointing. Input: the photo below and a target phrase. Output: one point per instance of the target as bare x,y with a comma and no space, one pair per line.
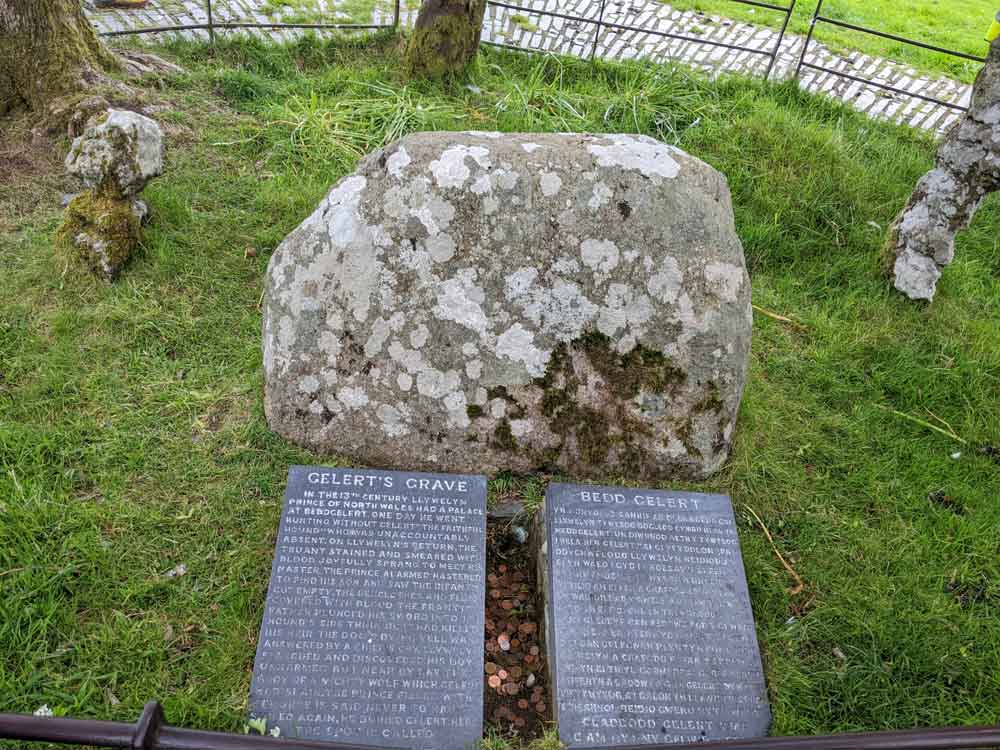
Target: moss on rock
102,230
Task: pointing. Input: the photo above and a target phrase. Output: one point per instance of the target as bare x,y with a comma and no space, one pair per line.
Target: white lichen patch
441,247
726,279
599,197
309,384
460,300
530,148
519,282
520,428
392,420
518,344
451,170
352,397
600,255
665,284
396,163
550,183
641,153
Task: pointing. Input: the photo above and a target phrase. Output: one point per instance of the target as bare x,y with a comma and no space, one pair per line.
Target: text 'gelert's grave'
373,627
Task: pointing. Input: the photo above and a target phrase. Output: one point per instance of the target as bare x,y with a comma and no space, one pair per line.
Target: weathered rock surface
122,151
115,157
481,302
947,197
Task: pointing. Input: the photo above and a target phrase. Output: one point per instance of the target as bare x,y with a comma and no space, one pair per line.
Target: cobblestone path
528,30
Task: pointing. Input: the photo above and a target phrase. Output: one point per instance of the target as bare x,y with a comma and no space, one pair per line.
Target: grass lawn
132,436
959,25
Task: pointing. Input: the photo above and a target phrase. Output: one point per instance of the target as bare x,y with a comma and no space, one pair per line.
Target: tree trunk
445,37
922,239
48,49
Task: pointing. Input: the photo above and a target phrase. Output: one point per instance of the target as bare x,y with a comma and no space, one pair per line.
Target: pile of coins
514,672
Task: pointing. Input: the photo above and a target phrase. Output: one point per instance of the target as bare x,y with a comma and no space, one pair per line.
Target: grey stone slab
651,633
373,628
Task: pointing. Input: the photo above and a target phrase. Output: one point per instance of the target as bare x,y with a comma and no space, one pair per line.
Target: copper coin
523,703
502,674
515,672
528,658
494,682
535,651
491,668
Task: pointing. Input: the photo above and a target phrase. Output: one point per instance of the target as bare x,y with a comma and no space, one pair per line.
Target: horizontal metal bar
119,735
626,27
245,25
887,87
769,6
894,37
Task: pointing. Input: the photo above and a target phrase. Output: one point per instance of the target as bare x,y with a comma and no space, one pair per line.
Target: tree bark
48,49
922,239
445,37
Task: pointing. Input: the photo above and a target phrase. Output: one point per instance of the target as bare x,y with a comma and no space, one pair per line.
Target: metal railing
151,732
211,25
600,24
818,18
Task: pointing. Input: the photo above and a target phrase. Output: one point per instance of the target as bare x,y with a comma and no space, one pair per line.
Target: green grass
132,437
959,25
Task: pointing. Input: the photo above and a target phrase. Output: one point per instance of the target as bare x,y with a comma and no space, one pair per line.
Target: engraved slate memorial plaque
373,627
652,636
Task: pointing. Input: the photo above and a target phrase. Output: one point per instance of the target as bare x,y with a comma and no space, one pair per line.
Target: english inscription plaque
652,634
373,627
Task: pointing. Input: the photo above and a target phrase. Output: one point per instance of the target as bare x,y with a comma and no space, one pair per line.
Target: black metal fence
151,732
818,18
601,25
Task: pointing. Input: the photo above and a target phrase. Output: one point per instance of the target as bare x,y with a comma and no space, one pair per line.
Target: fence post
809,36
781,38
211,23
597,31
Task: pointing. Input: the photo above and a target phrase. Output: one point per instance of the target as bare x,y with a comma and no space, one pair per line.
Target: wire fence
611,29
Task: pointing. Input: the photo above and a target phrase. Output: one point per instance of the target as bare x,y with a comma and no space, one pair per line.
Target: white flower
43,710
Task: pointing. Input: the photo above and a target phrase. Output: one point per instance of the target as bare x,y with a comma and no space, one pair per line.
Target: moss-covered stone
102,230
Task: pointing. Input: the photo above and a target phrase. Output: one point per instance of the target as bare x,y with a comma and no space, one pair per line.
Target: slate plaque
652,636
373,627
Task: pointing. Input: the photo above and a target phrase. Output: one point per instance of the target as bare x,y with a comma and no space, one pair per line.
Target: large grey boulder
476,302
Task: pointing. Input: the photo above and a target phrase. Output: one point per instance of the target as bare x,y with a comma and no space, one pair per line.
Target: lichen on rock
482,302
922,239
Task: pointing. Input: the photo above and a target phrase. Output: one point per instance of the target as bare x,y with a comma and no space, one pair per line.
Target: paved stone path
547,33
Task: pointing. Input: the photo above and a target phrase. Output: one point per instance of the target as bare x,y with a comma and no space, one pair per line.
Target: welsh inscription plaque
373,627
652,634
